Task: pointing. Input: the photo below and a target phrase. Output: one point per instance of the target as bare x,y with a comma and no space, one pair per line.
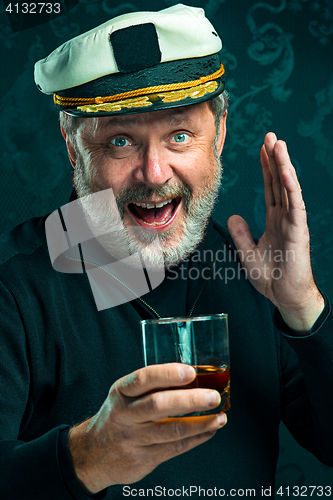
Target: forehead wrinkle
180,119
121,120
174,116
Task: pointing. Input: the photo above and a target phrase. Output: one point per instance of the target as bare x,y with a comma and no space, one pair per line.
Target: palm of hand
279,266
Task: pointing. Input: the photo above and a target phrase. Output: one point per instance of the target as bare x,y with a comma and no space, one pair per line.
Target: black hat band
169,75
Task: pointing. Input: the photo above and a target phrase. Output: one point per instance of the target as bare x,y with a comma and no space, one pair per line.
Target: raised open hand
279,265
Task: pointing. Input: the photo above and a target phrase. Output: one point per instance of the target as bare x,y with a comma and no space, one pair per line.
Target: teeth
153,205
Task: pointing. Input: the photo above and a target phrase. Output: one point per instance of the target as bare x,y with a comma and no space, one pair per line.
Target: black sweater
59,356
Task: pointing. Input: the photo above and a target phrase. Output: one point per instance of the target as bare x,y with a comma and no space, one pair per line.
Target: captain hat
142,61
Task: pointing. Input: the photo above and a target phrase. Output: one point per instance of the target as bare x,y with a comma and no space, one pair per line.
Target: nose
155,169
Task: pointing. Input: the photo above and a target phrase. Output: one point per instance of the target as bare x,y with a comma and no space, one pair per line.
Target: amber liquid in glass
212,377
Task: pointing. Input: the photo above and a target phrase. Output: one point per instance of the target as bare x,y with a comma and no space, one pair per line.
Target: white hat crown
183,32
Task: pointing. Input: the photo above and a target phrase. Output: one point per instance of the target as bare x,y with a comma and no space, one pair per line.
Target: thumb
241,235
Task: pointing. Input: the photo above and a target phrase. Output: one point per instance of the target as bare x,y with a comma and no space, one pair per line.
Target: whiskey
212,377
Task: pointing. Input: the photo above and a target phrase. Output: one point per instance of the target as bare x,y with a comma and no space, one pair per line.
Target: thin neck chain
137,297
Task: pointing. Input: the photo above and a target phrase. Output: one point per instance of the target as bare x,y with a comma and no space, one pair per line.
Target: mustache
142,192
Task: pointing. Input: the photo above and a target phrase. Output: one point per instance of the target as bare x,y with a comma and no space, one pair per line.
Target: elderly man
143,113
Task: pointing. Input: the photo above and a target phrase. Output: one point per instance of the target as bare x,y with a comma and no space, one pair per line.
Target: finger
174,429
166,451
162,404
289,178
155,377
241,235
283,165
269,143
268,179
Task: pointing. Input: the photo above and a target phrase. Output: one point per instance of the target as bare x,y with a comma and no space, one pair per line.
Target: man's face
163,170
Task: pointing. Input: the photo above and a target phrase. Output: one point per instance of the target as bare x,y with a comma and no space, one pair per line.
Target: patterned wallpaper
278,56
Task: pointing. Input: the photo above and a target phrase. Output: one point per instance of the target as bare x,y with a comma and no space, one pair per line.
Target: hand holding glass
200,341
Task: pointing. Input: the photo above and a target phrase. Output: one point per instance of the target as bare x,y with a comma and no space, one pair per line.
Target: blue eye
120,141
180,137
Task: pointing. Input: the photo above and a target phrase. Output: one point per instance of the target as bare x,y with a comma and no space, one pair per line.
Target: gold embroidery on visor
139,102
193,93
117,106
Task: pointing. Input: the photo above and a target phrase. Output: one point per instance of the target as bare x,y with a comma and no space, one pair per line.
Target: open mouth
155,214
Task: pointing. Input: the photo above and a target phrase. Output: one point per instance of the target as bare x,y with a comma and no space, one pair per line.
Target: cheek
201,173
107,175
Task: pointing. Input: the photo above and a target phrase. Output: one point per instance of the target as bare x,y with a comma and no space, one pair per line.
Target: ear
70,148
222,133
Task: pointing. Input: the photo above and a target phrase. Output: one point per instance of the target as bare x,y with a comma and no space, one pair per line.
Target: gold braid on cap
77,101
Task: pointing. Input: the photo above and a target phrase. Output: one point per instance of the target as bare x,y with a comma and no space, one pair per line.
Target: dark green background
279,65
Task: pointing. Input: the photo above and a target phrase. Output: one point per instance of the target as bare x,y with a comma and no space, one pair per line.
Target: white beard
105,218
